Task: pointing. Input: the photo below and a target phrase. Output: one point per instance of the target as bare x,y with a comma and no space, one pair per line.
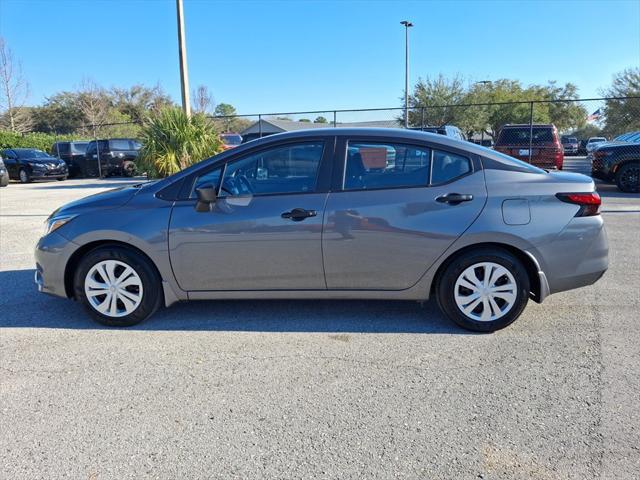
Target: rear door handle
454,198
299,214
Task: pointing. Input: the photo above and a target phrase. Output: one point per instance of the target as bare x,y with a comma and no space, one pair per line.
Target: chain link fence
598,136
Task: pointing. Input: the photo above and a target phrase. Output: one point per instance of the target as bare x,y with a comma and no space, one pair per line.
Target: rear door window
372,165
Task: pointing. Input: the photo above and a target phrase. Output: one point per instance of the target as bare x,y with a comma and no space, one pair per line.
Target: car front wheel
119,287
24,176
483,290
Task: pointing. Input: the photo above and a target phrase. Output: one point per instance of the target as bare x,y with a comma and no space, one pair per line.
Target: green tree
320,119
304,120
623,114
60,113
224,110
172,141
137,101
428,101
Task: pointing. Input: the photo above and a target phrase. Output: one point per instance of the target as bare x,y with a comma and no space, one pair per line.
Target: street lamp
407,24
182,51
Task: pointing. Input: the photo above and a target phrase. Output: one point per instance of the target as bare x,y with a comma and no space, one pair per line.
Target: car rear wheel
119,287
483,290
628,178
24,176
129,169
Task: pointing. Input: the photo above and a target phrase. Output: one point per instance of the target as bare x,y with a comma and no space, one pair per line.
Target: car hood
100,201
617,145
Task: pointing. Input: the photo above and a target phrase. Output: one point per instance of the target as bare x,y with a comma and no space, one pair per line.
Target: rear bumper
578,256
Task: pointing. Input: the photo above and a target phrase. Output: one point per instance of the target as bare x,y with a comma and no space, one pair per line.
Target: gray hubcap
485,291
113,288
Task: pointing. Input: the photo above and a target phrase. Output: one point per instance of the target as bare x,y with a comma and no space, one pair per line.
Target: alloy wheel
485,291
113,288
630,178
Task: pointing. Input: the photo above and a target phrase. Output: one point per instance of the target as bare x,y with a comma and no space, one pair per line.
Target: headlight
54,223
38,166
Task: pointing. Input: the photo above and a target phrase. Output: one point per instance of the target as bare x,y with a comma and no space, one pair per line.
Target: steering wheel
246,184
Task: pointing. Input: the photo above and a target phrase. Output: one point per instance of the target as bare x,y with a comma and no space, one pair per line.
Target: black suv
117,157
618,161
26,164
73,154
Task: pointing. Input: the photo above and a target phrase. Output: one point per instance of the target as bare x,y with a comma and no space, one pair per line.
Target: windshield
569,140
32,153
231,139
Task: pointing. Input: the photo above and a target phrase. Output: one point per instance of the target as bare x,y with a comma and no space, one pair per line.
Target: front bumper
52,255
44,175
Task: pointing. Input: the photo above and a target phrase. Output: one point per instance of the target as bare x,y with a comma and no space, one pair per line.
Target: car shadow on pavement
21,306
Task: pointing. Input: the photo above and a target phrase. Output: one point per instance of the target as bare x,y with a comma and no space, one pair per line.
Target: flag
597,115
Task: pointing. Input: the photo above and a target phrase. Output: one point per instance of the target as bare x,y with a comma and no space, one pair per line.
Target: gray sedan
332,213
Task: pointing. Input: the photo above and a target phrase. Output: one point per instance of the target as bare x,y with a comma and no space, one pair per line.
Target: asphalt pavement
316,389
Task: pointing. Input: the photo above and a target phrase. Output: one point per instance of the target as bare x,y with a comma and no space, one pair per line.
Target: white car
593,143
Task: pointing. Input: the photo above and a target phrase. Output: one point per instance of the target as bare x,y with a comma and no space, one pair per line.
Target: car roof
400,134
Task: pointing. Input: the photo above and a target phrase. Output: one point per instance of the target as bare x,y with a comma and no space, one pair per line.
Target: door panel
244,243
386,239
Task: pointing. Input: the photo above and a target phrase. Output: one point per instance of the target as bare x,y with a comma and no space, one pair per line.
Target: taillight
559,159
589,202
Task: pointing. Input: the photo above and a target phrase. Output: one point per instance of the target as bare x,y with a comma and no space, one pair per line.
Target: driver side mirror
206,196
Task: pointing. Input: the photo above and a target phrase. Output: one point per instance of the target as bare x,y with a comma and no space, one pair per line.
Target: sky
283,56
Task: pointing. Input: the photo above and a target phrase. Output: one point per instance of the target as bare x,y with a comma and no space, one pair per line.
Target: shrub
39,140
172,141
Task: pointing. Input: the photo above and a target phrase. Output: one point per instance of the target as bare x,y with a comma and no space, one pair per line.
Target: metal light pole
407,24
182,50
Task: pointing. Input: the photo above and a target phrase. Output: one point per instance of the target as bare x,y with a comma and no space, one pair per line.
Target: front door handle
299,214
454,198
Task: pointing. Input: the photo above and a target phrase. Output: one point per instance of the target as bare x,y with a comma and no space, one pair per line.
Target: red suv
543,149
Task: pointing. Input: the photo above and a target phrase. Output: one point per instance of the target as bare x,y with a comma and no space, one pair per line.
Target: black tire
24,176
151,282
128,169
445,287
628,177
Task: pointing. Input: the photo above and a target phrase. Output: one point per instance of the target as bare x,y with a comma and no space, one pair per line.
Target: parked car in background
347,213
446,130
543,149
569,145
593,142
230,140
117,157
73,154
618,161
27,164
4,175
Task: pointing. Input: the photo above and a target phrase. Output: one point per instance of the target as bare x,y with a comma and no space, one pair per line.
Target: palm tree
172,141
